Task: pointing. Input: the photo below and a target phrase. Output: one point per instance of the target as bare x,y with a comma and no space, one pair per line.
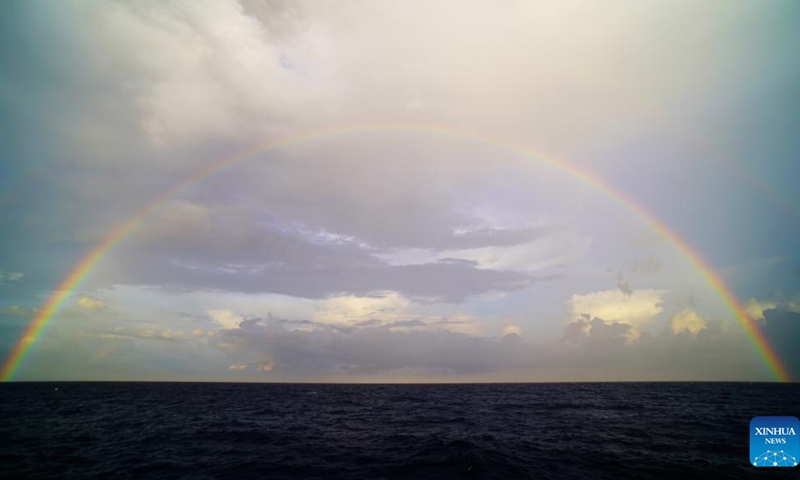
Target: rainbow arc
85,266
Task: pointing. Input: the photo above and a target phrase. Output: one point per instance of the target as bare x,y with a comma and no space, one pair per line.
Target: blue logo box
774,441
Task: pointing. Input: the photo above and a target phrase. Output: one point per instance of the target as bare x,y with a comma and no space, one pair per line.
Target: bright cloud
511,329
756,308
350,310
637,308
91,304
553,249
226,318
687,320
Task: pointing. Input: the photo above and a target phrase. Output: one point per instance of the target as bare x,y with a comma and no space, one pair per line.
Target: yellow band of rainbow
71,282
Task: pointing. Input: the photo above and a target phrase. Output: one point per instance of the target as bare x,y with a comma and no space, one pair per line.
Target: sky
457,191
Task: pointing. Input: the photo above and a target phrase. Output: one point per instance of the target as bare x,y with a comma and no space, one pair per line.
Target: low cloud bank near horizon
587,344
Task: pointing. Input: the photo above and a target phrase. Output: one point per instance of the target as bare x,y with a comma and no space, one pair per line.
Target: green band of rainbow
88,263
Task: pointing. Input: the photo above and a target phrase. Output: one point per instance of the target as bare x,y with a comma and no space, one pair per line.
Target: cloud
450,281
165,89
113,336
756,308
91,304
191,82
264,366
511,329
637,309
588,347
228,248
559,246
7,278
413,346
493,237
351,310
226,318
169,335
392,310
687,320
598,335
200,333
370,349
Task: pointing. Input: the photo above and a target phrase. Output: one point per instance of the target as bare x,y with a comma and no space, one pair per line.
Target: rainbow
73,280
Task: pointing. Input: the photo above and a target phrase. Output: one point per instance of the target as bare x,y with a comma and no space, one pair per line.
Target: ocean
273,431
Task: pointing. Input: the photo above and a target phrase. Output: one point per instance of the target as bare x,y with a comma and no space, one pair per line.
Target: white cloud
264,366
226,318
168,334
395,311
213,69
543,253
687,320
755,308
511,329
91,304
636,309
349,309
121,332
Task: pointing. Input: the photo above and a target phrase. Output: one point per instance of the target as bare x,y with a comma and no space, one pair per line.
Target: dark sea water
205,431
